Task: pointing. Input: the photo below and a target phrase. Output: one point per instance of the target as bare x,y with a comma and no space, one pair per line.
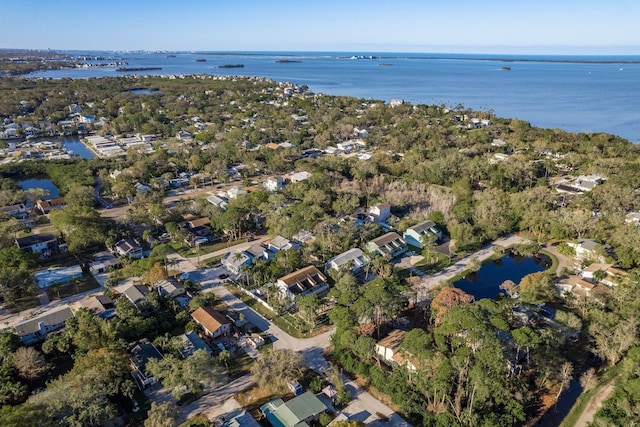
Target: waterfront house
129,248
353,260
213,323
46,206
37,329
300,411
306,281
389,245
414,235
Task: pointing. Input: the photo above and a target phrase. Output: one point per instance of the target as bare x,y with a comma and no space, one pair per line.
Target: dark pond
40,183
485,283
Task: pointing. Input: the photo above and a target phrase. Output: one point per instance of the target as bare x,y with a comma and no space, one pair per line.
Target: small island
287,61
231,66
124,69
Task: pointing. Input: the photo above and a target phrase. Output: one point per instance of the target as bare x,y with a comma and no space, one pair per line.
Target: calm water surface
45,184
485,283
575,96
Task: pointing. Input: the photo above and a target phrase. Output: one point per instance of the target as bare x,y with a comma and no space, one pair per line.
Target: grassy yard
553,269
63,291
286,321
197,421
22,303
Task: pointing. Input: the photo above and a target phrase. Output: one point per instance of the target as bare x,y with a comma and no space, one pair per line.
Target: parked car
223,276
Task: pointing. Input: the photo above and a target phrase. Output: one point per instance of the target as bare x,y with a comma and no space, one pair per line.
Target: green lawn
285,321
63,291
22,303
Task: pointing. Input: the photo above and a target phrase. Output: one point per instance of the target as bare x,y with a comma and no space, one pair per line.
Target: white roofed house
380,213
306,281
234,261
298,177
279,243
353,260
414,234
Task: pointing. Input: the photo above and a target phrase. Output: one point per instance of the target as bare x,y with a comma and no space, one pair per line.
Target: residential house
243,419
212,322
129,248
219,201
610,275
100,305
298,177
136,294
587,249
297,412
141,354
353,260
46,206
185,136
306,281
259,251
43,244
278,244
633,218
198,231
18,211
414,235
274,184
380,213
235,261
389,245
103,262
577,285
169,287
389,350
587,182
191,342
36,329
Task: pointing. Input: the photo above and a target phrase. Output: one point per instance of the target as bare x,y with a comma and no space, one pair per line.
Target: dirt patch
595,403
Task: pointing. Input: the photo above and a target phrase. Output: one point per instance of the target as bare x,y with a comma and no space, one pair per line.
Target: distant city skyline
465,26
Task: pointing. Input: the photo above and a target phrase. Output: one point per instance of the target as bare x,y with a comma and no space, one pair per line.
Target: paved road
363,407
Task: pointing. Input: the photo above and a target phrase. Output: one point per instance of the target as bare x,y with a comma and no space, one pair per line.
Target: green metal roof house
297,412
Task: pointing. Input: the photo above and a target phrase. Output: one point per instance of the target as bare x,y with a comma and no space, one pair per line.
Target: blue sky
540,26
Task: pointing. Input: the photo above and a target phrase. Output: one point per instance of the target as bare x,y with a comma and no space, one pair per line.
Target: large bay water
577,94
